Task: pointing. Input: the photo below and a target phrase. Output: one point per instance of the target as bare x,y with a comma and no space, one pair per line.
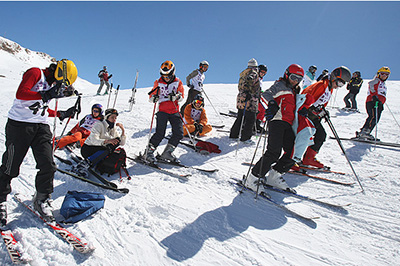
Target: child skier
196,118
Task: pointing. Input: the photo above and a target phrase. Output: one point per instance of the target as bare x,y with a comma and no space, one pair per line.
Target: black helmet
341,73
110,111
358,73
263,67
312,68
200,98
325,71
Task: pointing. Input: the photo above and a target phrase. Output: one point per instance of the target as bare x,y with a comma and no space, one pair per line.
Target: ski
160,160
381,143
138,159
265,196
101,185
192,146
324,170
218,126
132,98
227,114
12,247
224,130
70,238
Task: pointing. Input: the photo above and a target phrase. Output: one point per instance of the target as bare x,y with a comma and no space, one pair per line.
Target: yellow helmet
384,69
66,71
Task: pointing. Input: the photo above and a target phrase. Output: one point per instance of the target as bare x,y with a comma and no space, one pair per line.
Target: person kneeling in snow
196,118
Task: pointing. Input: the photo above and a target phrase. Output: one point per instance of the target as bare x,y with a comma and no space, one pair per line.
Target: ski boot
148,154
309,159
275,179
42,204
3,214
168,155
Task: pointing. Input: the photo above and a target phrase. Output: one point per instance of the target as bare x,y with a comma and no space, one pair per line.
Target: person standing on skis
195,82
353,87
374,103
28,127
104,77
281,97
309,77
322,92
167,91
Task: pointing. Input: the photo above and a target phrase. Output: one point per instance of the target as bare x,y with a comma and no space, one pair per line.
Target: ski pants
248,125
374,114
176,124
102,82
20,136
352,97
319,135
191,94
280,137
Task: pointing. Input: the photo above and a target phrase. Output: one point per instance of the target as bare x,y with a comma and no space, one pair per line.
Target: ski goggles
198,102
295,77
340,82
384,74
96,111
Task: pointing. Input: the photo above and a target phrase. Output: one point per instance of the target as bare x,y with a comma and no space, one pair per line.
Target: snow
205,221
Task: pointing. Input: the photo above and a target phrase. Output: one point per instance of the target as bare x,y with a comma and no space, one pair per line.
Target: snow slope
205,221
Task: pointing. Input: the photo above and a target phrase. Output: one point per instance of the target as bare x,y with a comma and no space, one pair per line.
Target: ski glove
57,91
323,113
64,114
303,112
199,127
272,110
174,97
154,98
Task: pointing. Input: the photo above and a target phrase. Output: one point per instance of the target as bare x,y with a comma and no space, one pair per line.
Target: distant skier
309,77
323,74
281,97
104,78
167,91
195,82
374,103
353,87
196,118
27,127
322,92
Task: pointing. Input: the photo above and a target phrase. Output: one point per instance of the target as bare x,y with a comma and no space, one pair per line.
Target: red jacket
320,91
163,89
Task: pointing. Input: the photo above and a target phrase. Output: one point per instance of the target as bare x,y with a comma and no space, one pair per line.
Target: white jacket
100,132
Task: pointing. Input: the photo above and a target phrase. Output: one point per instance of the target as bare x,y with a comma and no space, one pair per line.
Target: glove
375,99
109,76
303,112
199,127
64,114
272,110
173,96
154,98
55,92
323,113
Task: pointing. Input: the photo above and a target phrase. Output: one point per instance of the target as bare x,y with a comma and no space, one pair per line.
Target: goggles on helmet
295,77
340,82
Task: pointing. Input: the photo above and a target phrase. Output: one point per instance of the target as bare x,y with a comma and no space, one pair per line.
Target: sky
126,36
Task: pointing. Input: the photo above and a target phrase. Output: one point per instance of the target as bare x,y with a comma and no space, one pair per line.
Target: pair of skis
132,100
378,142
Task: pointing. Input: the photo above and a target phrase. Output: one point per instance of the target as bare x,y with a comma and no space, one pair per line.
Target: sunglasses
384,73
340,82
96,111
295,77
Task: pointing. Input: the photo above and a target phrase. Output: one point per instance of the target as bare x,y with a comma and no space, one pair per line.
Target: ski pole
77,107
342,148
261,164
109,95
392,115
132,99
376,123
184,124
116,95
241,126
55,123
152,119
219,116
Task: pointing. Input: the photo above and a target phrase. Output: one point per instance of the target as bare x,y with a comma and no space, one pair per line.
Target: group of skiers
292,116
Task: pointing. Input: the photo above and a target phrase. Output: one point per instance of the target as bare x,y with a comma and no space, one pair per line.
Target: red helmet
294,69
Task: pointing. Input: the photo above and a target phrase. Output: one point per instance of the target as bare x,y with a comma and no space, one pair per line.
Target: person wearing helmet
28,127
321,91
247,103
79,133
323,74
281,97
104,78
262,71
168,92
195,82
353,87
195,118
374,103
309,77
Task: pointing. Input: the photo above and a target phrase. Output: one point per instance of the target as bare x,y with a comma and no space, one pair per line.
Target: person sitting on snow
196,118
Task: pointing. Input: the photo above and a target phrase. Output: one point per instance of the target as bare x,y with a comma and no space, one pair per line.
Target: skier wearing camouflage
27,127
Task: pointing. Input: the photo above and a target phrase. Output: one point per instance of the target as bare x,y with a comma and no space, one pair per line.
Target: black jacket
354,85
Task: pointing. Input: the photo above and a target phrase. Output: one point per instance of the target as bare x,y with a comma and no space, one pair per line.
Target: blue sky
126,36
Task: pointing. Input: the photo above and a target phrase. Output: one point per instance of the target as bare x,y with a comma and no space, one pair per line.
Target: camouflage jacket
249,84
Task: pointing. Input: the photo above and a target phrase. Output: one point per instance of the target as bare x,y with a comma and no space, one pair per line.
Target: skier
104,137
247,102
27,127
262,71
79,133
323,74
281,97
195,82
322,92
309,77
353,87
196,118
374,103
167,91
104,77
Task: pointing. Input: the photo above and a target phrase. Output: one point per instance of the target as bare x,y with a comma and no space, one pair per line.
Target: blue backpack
79,205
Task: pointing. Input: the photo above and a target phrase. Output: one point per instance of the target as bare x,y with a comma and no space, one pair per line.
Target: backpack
79,205
113,163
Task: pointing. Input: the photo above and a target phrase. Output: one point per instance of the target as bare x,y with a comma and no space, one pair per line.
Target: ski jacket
354,85
377,87
85,125
28,105
308,79
103,75
194,115
286,99
163,89
196,79
249,87
101,132
320,91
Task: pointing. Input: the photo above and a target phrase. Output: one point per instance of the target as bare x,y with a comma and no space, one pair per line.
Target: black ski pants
320,134
191,94
374,114
248,125
280,137
20,136
176,124
352,97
